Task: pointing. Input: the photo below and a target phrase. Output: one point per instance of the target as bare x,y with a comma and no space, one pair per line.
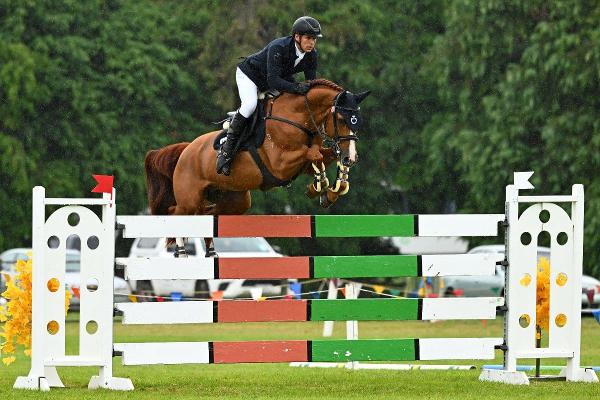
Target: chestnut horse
182,179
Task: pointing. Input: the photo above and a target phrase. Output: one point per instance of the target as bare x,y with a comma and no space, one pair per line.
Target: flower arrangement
16,314
543,295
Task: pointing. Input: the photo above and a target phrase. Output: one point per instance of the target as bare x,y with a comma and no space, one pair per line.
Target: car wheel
201,290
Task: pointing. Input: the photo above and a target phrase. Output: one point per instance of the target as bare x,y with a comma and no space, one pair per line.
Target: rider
272,68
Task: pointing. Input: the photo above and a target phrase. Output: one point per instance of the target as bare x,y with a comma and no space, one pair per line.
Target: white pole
352,290
331,294
577,212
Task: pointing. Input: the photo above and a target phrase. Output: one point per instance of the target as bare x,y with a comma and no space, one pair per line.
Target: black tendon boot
226,153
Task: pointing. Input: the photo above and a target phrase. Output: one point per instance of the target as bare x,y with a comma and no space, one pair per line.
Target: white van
225,247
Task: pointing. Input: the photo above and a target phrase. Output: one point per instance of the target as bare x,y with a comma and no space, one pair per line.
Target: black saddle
252,138
254,133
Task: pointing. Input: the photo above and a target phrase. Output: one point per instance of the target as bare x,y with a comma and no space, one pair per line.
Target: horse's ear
361,96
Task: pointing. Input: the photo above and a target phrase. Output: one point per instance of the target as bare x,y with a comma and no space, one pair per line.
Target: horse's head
345,114
337,116
330,114
338,120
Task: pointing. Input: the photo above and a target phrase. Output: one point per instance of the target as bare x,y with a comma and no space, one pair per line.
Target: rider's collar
299,53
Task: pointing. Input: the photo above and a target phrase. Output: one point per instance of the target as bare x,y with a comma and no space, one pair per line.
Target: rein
310,133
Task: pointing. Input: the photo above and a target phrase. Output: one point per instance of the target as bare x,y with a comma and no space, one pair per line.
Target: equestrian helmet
307,26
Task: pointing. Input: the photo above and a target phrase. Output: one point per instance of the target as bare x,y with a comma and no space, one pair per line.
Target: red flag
105,184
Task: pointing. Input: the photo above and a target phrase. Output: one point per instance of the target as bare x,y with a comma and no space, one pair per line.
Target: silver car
481,286
225,248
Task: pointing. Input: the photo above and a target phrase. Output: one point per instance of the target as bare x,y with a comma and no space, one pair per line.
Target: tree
516,82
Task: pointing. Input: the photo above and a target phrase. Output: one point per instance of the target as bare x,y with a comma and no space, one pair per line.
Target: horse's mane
325,82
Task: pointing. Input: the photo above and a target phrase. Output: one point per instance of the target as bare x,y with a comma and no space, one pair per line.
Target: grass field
283,382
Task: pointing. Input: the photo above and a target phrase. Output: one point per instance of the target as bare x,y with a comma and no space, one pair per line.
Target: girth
269,180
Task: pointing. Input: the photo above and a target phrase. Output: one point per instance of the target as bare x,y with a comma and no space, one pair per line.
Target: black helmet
307,26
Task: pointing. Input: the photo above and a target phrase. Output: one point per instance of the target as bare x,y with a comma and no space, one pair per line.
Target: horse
182,180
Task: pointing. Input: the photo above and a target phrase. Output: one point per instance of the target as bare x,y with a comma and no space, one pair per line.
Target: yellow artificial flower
543,293
16,314
8,360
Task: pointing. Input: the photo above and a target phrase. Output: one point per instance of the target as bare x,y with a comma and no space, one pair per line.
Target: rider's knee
248,107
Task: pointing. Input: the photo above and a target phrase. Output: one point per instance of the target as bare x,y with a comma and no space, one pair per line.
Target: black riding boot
226,153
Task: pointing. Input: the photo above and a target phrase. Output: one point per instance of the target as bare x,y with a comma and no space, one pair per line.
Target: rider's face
306,42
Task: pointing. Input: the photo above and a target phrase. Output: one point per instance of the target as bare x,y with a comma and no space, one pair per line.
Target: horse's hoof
180,252
211,253
311,194
324,201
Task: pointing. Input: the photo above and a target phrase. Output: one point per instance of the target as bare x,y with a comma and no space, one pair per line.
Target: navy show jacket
273,66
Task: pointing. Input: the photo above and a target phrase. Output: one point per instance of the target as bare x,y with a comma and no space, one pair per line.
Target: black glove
302,88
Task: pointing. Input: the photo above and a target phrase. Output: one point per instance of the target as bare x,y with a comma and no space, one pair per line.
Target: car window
147,243
9,260
541,254
73,265
13,257
237,245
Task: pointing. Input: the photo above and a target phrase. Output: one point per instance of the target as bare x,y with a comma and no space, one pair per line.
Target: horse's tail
160,165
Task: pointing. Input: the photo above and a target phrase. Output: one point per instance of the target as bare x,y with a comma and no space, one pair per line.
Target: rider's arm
274,71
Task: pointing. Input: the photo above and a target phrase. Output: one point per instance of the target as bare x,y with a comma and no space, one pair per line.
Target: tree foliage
516,83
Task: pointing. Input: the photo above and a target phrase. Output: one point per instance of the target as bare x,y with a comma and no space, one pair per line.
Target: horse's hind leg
227,203
188,202
233,203
209,245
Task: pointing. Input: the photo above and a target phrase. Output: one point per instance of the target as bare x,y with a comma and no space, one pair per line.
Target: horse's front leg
320,181
339,188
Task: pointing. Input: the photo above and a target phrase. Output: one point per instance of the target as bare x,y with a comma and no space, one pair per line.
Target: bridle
334,110
321,130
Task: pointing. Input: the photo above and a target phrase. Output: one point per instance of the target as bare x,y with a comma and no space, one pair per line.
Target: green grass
283,382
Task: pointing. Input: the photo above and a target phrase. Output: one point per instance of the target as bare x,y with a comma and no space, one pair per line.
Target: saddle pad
253,135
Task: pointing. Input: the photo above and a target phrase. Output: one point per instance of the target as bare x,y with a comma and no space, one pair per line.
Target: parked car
225,247
590,285
9,258
2,289
477,286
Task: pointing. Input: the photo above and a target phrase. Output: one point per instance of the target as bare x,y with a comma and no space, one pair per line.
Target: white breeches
248,93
